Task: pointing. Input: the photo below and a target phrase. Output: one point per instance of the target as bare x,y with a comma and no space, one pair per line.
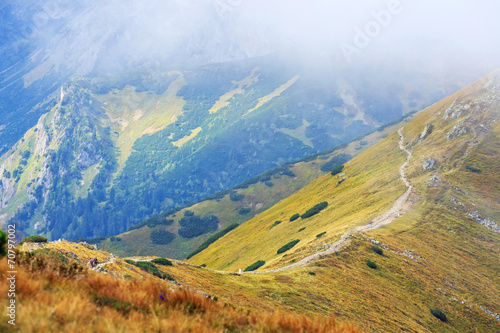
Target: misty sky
98,35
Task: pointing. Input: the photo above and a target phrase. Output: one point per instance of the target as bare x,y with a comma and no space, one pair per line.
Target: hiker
92,263
95,261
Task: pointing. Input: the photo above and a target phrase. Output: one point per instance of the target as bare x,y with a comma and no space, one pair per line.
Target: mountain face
411,224
452,152
121,148
403,238
45,45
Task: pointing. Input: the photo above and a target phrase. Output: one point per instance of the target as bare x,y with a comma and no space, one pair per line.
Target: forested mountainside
184,231
119,149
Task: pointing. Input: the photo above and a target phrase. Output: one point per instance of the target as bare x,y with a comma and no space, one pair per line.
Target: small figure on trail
95,261
92,263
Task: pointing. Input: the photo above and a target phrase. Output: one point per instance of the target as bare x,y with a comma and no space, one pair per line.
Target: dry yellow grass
52,298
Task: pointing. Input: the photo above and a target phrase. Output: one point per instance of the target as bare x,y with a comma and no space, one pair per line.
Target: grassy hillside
248,200
442,254
57,292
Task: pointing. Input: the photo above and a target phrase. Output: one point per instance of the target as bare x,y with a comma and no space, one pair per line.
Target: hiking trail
400,206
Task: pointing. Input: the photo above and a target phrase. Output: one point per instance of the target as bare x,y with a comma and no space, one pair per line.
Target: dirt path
400,206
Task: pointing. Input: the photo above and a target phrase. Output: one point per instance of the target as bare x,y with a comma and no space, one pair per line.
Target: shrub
161,237
162,261
203,265
294,217
301,229
244,211
34,239
321,234
371,264
288,246
152,269
377,250
255,265
335,161
276,223
315,210
212,239
234,196
473,169
312,273
269,184
188,213
338,169
192,226
439,315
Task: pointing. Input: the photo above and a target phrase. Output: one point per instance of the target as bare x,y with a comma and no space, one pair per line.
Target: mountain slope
372,181
119,295
235,206
129,146
442,253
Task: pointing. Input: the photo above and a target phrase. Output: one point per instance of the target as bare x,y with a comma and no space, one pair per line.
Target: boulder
429,164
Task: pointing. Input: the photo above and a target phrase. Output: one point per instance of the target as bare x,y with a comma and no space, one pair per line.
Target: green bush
212,239
321,234
301,229
162,261
439,315
234,196
377,250
473,169
255,265
338,169
34,239
288,246
152,269
294,217
371,264
161,237
269,184
315,210
188,213
312,273
244,211
193,226
276,223
335,161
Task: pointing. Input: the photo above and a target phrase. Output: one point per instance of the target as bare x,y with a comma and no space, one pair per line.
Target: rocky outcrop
459,129
429,164
427,130
486,222
7,190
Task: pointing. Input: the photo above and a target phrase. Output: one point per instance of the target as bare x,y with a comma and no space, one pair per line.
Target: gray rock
459,129
429,164
427,130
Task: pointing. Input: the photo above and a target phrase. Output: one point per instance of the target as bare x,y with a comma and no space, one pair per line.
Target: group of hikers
93,262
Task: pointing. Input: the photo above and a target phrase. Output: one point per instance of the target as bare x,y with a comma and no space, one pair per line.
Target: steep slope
129,146
234,206
440,254
55,285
